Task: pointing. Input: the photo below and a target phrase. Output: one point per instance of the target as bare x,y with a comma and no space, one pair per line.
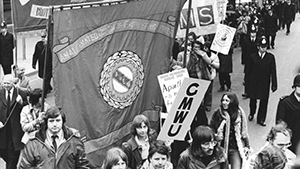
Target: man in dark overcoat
12,101
7,44
262,75
288,15
271,27
249,47
39,56
278,10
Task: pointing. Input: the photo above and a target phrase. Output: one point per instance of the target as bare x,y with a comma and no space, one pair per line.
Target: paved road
287,53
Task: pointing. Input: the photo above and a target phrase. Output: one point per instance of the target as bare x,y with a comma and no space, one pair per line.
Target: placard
183,109
170,83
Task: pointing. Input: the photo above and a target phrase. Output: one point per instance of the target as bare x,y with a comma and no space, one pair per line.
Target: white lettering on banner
183,109
183,19
65,50
38,11
170,83
206,16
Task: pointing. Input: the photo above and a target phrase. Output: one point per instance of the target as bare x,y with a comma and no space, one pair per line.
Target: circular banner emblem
224,36
121,79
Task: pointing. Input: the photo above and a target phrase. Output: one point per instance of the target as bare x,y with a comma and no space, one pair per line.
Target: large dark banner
22,9
106,62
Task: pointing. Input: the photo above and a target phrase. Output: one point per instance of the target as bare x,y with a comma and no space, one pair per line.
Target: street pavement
287,54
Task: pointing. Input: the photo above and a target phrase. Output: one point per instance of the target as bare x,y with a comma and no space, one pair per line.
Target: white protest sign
183,109
38,11
203,18
223,39
170,83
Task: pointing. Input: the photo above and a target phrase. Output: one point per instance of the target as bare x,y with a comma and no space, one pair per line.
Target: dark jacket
248,48
69,155
271,24
289,12
288,110
225,62
16,129
131,149
39,56
262,72
7,45
188,161
279,9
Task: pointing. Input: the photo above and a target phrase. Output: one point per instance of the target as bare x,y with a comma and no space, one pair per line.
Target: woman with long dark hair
230,124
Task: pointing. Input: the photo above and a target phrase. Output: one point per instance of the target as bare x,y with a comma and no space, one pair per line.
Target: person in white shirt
32,116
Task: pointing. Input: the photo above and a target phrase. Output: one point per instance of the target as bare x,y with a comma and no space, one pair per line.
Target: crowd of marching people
34,134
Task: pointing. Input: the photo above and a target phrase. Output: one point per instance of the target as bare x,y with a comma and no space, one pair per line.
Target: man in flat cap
7,44
262,73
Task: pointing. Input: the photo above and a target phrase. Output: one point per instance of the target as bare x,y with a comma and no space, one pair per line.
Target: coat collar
218,157
3,96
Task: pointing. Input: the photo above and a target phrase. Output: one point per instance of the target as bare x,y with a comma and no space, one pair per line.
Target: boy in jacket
54,146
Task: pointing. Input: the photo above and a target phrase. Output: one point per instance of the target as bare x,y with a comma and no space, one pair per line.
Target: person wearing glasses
39,56
204,151
230,124
272,155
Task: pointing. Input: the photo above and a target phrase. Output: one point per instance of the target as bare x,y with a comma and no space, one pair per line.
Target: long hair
201,135
112,157
137,122
233,107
